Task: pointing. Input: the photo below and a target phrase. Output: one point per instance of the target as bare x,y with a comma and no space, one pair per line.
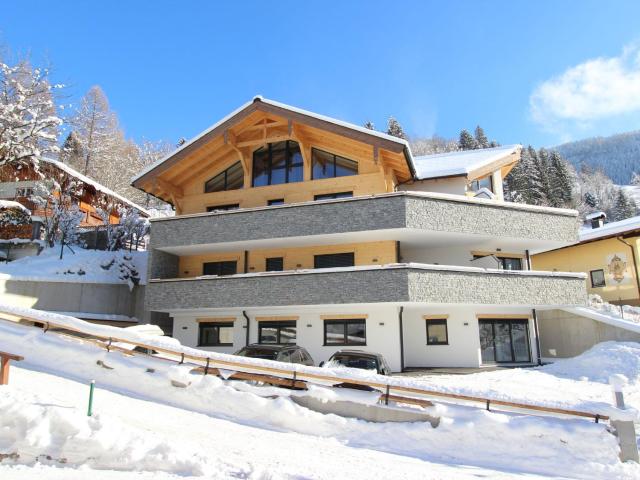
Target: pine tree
369,125
544,178
71,152
591,200
635,179
624,207
560,181
395,129
481,139
467,142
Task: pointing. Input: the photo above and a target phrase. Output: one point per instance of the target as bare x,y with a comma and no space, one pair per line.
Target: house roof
465,163
98,186
10,204
610,229
261,103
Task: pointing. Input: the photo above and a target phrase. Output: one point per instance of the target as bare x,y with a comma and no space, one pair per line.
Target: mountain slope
618,155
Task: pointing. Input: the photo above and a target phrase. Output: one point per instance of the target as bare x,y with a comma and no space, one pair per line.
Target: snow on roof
460,163
98,186
260,98
595,215
610,229
12,204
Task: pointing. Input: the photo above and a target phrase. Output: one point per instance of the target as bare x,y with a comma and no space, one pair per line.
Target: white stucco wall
453,185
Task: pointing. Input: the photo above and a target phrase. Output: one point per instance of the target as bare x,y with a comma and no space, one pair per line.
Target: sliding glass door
504,341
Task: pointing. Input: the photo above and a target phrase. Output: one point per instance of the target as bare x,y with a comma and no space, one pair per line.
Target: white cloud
597,89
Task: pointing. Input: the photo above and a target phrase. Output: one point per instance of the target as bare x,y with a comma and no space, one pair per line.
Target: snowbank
624,312
85,266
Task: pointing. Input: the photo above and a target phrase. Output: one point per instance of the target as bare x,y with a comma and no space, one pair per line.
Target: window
597,278
504,263
328,165
504,341
345,332
330,196
24,191
334,260
222,208
274,264
276,163
220,268
276,201
231,179
215,334
277,332
475,185
437,333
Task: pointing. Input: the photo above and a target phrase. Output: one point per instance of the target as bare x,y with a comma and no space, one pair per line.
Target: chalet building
20,185
292,227
609,253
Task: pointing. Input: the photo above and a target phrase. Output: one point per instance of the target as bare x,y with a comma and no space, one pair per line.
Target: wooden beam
170,188
262,141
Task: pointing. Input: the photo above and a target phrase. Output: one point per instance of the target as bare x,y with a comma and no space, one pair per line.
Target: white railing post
625,428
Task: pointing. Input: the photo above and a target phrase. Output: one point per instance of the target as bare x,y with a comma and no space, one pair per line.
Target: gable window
345,332
597,278
223,208
437,333
278,333
231,179
475,185
333,196
274,264
215,334
328,165
333,260
277,163
220,268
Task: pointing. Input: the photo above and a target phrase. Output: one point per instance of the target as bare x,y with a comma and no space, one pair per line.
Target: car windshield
257,352
364,363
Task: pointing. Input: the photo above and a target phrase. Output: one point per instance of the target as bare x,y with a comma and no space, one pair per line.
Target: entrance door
504,341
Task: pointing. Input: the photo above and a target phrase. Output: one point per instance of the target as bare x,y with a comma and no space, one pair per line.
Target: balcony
404,216
395,283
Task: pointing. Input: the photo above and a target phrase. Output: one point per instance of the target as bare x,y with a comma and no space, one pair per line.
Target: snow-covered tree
635,179
591,200
369,125
624,207
69,219
432,145
560,181
71,152
395,129
466,141
481,139
28,116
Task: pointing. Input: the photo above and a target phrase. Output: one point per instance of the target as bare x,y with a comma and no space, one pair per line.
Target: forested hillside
618,155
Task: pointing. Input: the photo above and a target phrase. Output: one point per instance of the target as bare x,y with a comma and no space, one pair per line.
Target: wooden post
4,371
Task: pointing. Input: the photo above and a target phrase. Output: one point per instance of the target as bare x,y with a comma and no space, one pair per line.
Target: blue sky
530,72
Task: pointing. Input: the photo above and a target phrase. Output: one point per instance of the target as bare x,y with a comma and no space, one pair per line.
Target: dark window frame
225,173
275,201
335,156
223,208
216,326
317,258
268,267
345,322
332,196
437,321
279,325
288,163
220,266
510,321
501,259
599,285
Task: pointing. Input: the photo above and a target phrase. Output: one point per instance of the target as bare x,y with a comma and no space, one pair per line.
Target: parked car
359,359
279,353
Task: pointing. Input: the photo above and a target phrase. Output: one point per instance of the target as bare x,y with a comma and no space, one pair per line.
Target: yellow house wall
597,256
371,253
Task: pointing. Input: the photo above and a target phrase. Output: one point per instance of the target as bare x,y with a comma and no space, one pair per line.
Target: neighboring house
609,253
295,227
20,185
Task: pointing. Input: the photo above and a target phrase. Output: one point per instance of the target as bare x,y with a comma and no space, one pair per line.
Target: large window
328,165
276,163
274,264
220,268
333,260
215,334
345,332
333,196
504,341
231,179
597,278
437,333
277,332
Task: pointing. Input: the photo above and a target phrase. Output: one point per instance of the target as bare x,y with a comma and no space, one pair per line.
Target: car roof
360,353
275,348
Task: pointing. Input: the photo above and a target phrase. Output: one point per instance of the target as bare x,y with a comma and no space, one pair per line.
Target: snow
98,186
10,204
223,429
461,163
610,229
85,266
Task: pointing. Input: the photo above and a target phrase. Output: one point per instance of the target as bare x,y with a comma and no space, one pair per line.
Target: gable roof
465,163
612,229
98,186
260,103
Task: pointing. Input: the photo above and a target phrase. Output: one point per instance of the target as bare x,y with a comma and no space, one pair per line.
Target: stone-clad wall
405,284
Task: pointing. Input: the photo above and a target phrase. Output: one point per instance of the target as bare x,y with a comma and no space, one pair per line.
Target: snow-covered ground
227,429
83,266
624,312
